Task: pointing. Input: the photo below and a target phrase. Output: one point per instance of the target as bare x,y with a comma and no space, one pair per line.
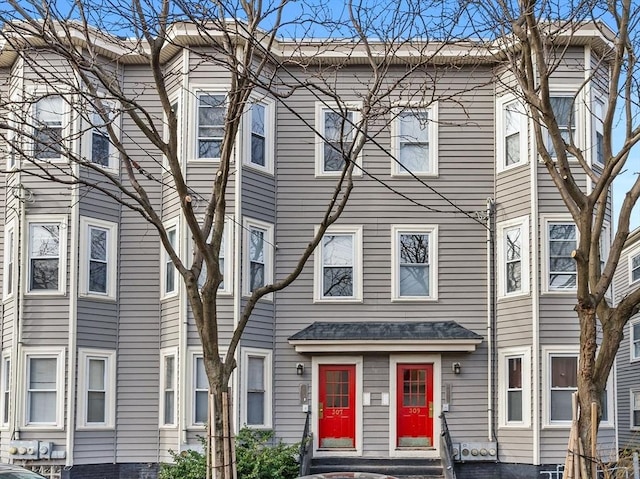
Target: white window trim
633,253
88,128
547,352
112,257
5,371
44,353
396,230
432,110
109,356
190,382
270,132
632,427
10,227
267,355
13,138
523,223
269,247
595,123
197,90
62,267
501,154
579,115
176,381
34,94
356,232
228,271
321,107
164,259
503,381
632,357
546,220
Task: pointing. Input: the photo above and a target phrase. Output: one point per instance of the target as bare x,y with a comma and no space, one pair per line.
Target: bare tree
532,41
241,39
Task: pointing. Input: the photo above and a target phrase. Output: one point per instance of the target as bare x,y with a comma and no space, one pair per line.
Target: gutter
490,317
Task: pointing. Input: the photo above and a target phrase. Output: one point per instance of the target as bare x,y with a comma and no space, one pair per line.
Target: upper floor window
598,131
5,388
48,128
338,265
513,257
168,388
562,240
634,267
169,271
512,134
224,264
256,386
98,250
336,129
634,336
259,137
101,150
259,259
414,262
635,410
9,259
44,382
414,142
47,254
96,388
514,384
212,109
564,109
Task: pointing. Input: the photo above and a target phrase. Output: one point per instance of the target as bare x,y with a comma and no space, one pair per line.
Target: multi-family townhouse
445,287
627,380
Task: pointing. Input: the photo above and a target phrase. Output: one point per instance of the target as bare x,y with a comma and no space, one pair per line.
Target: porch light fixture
456,368
300,369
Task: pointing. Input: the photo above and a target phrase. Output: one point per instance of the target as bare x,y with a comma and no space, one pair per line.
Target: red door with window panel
337,406
415,405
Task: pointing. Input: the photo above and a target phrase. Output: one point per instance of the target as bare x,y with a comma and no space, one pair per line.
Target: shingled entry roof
326,336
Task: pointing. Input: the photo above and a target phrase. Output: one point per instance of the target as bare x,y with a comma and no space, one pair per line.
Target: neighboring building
627,277
395,317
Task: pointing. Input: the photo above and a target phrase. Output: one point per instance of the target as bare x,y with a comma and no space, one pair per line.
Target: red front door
337,406
415,405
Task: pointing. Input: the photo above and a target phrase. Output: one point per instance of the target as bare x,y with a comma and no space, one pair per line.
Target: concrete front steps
408,468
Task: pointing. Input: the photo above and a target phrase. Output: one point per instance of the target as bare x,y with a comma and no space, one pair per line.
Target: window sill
421,174
559,293
508,169
514,296
44,427
34,294
97,297
332,175
96,428
338,301
515,427
415,299
559,425
260,169
169,297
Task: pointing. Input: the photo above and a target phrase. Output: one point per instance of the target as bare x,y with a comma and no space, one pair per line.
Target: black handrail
446,450
305,447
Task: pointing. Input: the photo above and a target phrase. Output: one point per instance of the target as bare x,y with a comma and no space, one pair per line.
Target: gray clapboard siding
375,418
94,447
95,204
170,326
97,324
259,330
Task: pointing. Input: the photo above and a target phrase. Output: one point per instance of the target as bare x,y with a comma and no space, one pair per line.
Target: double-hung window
225,265
256,385
414,262
259,138
635,410
512,133
169,271
259,254
200,404
514,384
336,132
98,250
562,240
9,259
338,265
47,254
100,149
48,128
96,388
44,380
563,370
415,142
513,257
564,109
168,388
212,109
634,337
598,131
634,267
5,389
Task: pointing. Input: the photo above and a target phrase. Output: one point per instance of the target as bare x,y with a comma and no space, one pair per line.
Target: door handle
431,409
320,410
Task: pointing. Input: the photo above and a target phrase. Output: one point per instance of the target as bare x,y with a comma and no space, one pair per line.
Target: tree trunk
222,447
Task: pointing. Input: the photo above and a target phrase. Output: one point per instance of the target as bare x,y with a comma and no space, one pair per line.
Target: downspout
237,264
490,317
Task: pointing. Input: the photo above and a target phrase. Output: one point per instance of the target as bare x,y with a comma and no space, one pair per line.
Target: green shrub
255,459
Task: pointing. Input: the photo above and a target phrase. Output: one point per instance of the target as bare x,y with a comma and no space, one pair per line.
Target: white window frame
36,95
193,356
86,225
632,340
109,358
502,228
547,220
44,353
194,137
62,254
432,131
227,272
635,253
578,115
321,108
572,351
5,388
269,131
432,231
90,119
165,353
632,408
356,233
267,356
248,225
501,123
10,256
599,106
503,381
170,225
